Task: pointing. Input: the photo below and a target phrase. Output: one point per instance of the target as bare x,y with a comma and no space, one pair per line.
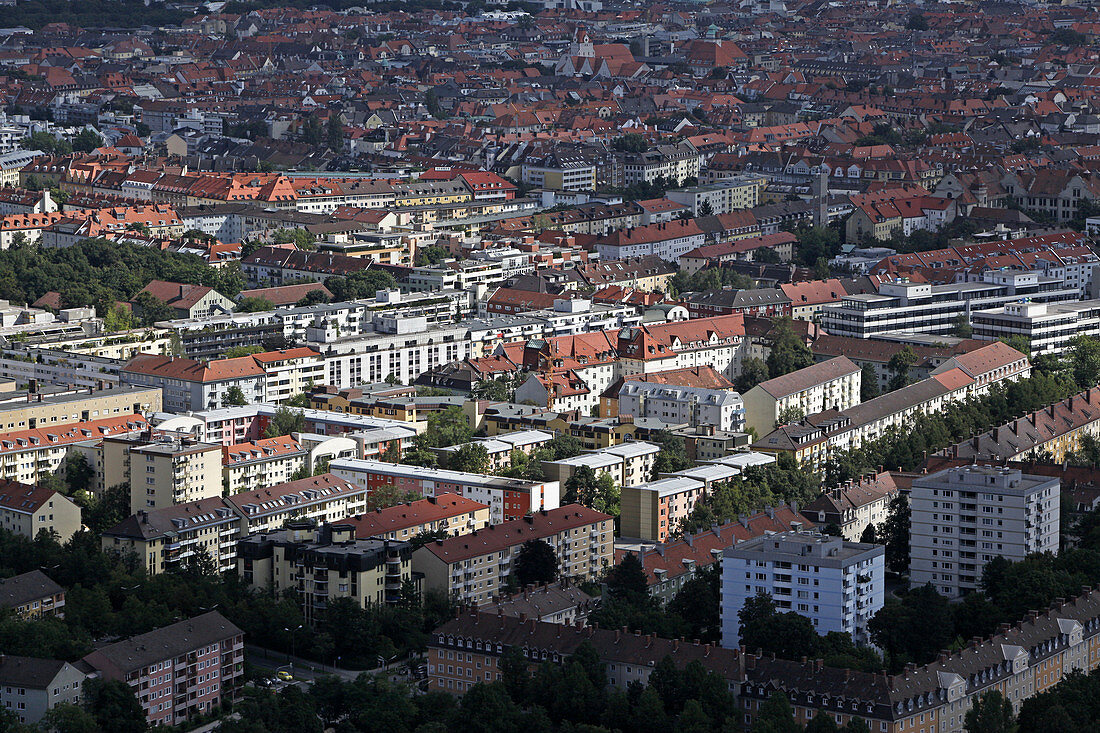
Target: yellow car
284,675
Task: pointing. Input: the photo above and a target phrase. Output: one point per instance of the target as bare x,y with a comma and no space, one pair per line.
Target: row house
474,568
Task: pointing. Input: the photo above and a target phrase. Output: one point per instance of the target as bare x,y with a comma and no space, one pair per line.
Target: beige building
163,471
27,510
653,511
290,372
324,498
26,455
474,568
855,505
448,513
29,410
260,464
827,385
325,563
628,464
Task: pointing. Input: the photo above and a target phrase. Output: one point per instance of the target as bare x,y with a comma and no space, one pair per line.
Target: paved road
306,670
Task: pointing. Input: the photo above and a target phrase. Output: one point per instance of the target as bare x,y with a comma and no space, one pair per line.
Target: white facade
925,308
1048,327
724,409
964,517
838,585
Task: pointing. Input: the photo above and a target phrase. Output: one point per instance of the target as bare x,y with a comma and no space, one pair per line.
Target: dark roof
29,672
17,590
164,643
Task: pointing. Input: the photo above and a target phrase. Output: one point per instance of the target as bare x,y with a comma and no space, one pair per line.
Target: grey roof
17,590
31,672
164,643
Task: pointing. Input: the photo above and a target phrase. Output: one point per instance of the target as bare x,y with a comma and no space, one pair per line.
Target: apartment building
32,595
856,504
1019,662
448,513
693,406
173,536
46,405
507,498
721,197
832,384
324,498
162,471
261,463
26,455
964,517
926,308
1057,429
28,510
30,686
667,240
1048,327
474,568
654,510
178,671
468,650
189,385
628,464
499,447
838,585
324,563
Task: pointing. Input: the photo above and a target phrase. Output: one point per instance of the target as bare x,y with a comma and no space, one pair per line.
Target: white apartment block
724,409
1049,327
926,308
838,585
964,517
507,498
628,464
832,384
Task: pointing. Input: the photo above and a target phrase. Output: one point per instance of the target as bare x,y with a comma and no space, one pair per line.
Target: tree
631,142
1084,361
789,635
69,718
766,255
470,457
114,706
47,143
917,22
788,415
753,372
79,474
536,563
300,238
962,328
698,603
627,580
894,533
776,716
991,713
673,455
234,397
788,353
495,390
118,318
869,536
705,209
102,512
284,422
86,141
152,309
868,382
312,134
579,486
254,305
815,243
822,722
334,133
899,366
